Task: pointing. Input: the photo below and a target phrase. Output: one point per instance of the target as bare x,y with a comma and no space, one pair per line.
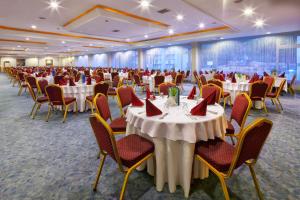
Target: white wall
13,61
31,62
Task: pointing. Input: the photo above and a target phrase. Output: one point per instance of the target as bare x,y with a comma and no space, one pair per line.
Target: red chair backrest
114,74
208,89
269,80
57,79
252,140
31,91
101,88
178,78
54,94
21,76
240,108
43,84
195,75
116,80
32,81
258,89
158,80
102,106
164,88
124,94
136,79
203,79
216,82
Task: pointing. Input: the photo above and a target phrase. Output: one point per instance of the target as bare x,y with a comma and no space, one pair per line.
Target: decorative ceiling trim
96,47
12,50
221,28
21,41
116,11
59,34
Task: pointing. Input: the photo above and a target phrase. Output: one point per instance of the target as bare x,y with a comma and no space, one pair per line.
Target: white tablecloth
50,79
121,75
174,138
150,80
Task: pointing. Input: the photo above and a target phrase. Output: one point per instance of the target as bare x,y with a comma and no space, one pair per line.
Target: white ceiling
279,15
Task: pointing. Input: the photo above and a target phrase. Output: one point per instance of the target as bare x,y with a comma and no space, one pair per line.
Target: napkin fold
282,75
135,101
211,99
71,82
151,109
89,81
192,93
200,109
149,94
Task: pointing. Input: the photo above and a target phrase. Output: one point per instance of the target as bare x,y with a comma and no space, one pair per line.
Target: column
195,59
140,59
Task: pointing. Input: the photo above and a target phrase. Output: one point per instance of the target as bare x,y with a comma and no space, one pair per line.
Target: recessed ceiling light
144,4
33,26
171,31
248,12
268,33
63,42
27,38
112,46
221,38
259,23
54,4
201,25
127,40
90,44
179,17
19,46
146,36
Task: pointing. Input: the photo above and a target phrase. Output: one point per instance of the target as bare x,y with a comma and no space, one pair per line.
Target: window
125,59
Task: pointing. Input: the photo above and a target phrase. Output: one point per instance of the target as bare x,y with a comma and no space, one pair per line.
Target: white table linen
121,75
150,80
174,138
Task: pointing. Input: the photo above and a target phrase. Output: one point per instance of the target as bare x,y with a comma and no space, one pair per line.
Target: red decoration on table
192,93
149,94
89,80
151,109
200,109
62,82
71,82
211,99
135,101
233,80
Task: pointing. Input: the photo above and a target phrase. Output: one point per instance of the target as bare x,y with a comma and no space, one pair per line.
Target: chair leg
264,106
20,90
76,108
260,195
92,107
37,109
125,183
232,140
99,172
277,107
65,113
279,103
32,109
49,112
224,187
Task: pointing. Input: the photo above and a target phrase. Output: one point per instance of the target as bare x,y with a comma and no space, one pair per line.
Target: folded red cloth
151,109
62,82
282,75
211,99
233,80
71,82
192,93
98,79
135,101
200,109
221,77
89,81
149,94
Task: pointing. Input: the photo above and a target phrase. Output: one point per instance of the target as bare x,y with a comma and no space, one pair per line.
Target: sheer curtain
125,59
172,57
251,54
99,60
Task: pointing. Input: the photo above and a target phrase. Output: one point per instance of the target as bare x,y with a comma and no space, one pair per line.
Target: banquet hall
149,99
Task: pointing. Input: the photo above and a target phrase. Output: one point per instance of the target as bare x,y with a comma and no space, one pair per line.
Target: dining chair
270,81
124,98
56,98
138,82
224,95
101,87
239,113
203,79
158,79
32,82
21,82
207,89
117,82
291,85
179,81
274,96
38,101
258,92
223,158
118,125
128,152
41,85
163,88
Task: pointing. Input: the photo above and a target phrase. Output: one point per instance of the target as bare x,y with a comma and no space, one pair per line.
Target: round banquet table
174,138
121,75
150,80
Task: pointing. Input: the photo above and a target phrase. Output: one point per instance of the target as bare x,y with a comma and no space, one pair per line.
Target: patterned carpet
40,160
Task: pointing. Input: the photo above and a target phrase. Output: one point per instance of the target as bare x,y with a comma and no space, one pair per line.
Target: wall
12,61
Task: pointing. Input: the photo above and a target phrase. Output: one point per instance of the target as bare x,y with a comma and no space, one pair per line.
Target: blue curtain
125,59
252,54
99,60
172,57
82,61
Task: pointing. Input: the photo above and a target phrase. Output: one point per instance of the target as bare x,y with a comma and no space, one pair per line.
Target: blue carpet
40,160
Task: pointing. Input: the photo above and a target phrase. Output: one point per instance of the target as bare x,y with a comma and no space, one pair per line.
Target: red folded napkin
149,94
89,81
221,77
233,80
135,101
71,82
200,109
211,99
192,93
151,109
282,75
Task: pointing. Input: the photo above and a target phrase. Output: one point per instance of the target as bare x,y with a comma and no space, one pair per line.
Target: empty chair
21,82
224,95
138,83
57,79
258,92
118,125
129,152
223,158
38,101
291,85
101,87
274,96
32,81
163,88
270,81
56,98
240,110
124,98
42,84
158,80
179,80
207,89
117,82
202,79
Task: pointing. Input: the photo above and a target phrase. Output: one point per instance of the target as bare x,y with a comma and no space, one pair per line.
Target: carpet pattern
55,160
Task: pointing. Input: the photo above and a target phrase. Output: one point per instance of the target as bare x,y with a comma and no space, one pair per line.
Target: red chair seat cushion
216,152
69,100
133,148
90,98
230,129
112,91
42,99
271,95
226,94
118,124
